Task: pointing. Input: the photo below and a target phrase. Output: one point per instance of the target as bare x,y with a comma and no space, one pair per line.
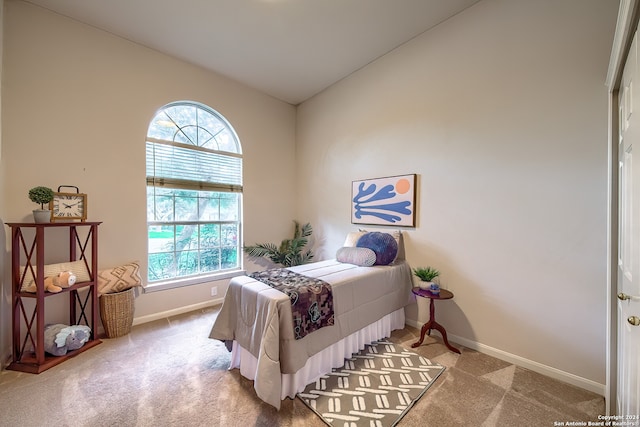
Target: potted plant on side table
427,275
41,195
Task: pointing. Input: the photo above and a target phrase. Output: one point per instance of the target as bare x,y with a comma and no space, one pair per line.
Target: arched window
194,193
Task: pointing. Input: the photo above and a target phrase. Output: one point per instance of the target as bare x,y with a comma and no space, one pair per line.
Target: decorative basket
116,312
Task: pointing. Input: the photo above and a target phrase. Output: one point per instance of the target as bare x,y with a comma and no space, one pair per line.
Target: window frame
173,183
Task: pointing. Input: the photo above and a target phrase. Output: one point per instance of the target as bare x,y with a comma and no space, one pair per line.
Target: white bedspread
259,319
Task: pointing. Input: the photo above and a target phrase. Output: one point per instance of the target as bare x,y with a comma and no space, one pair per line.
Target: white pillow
400,241
364,257
353,237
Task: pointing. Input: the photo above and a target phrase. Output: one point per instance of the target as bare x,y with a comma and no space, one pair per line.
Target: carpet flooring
168,373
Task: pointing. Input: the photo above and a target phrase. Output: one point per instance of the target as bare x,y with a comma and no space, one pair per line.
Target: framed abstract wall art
384,201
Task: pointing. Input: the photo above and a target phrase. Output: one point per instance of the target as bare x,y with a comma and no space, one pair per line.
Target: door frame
626,26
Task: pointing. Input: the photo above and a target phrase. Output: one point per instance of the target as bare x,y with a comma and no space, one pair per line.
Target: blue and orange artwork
384,201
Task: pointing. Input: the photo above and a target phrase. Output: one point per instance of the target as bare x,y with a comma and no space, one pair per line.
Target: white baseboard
525,363
176,311
6,360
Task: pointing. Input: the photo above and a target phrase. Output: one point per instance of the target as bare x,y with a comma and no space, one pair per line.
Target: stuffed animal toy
59,338
55,283
62,280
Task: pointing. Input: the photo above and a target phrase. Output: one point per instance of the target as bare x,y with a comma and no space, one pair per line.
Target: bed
255,321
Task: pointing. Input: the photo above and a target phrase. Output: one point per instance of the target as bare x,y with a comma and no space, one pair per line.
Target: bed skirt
323,362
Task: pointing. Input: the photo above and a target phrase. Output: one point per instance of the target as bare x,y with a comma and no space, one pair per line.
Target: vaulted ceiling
289,49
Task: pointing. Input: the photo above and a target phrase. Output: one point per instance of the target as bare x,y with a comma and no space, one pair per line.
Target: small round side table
432,324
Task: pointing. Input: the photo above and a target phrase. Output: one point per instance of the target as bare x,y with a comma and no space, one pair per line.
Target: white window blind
176,165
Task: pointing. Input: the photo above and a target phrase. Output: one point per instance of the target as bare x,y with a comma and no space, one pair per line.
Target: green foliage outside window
191,232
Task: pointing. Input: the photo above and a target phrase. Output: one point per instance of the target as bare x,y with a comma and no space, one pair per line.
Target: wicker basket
116,312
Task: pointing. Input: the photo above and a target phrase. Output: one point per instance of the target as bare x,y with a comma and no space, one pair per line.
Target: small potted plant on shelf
427,275
41,195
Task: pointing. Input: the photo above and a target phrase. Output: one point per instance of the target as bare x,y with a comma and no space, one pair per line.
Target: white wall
76,104
5,291
502,113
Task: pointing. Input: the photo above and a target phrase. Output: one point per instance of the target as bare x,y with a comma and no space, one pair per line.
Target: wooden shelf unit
82,246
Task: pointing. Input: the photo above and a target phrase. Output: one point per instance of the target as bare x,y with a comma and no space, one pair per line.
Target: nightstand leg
432,324
426,327
440,328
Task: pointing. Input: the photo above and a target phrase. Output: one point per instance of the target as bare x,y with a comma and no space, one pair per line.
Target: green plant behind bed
290,252
426,274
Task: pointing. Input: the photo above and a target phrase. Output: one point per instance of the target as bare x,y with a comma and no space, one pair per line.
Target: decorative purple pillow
383,244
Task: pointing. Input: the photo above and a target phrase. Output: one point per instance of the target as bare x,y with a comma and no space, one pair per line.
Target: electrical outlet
214,291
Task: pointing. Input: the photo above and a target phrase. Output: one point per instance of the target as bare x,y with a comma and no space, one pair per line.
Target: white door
628,393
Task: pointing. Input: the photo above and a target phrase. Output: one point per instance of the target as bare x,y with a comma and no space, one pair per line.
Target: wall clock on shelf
68,206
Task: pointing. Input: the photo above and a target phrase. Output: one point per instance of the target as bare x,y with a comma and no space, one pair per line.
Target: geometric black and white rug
376,387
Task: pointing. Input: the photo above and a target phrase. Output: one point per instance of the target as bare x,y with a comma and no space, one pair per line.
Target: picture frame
384,201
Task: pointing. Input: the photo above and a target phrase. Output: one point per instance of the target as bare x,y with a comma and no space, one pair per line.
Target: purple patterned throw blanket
311,298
